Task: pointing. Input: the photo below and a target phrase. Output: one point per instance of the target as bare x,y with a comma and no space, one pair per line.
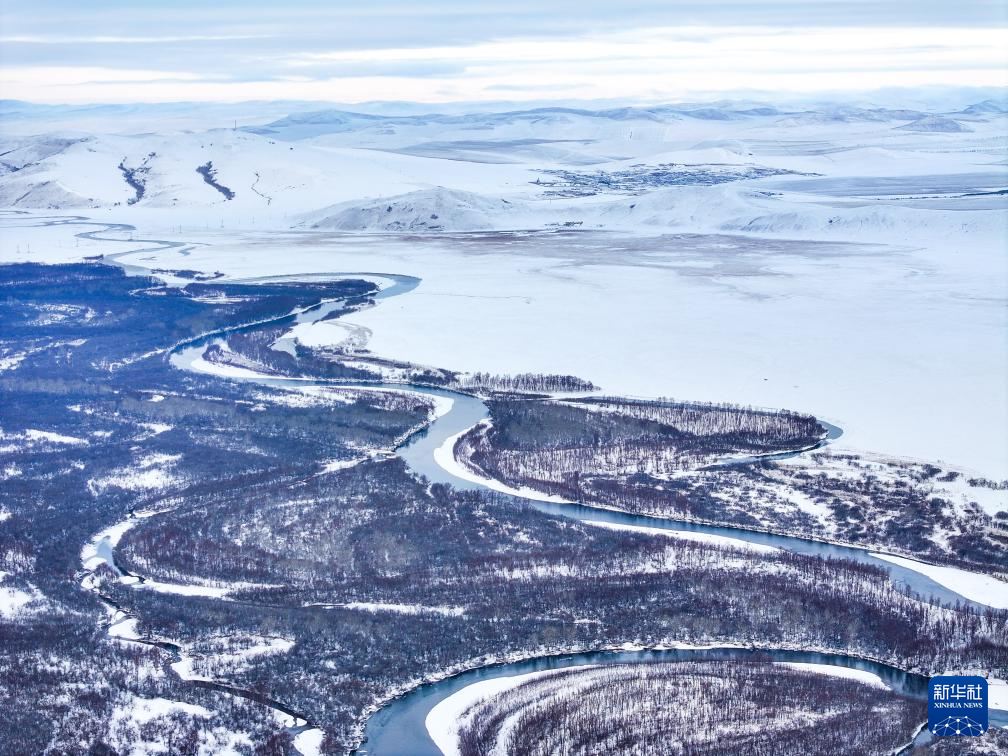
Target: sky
62,51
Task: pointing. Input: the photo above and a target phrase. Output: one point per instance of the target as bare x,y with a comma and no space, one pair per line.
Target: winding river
399,726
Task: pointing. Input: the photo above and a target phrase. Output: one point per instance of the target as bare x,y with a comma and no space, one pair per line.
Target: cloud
63,39
442,51
60,77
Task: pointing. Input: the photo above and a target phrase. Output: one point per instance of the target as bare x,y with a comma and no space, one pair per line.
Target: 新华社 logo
957,705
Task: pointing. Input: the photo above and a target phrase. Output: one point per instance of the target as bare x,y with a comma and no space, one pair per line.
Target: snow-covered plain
871,293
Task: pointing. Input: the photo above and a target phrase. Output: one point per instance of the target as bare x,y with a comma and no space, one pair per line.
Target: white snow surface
443,719
871,293
444,455
145,709
230,660
869,678
91,555
179,589
132,712
367,606
15,602
687,535
309,742
974,586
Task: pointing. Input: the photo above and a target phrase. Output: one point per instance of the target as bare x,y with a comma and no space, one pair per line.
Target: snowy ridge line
494,660
445,458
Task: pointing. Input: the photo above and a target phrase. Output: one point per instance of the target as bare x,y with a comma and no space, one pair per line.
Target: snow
123,627
805,504
14,601
136,480
223,656
99,549
12,361
851,295
145,709
151,472
336,465
762,349
440,405
368,606
443,719
687,535
325,333
974,586
444,455
519,304
54,438
156,428
860,675
516,305
229,371
309,742
39,436
990,500
128,735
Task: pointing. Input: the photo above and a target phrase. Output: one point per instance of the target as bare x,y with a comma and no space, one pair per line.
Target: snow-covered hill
638,169
424,210
934,124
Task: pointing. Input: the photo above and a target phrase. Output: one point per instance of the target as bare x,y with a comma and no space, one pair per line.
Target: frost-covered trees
716,707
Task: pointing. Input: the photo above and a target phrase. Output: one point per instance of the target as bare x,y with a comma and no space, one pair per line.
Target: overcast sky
474,50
